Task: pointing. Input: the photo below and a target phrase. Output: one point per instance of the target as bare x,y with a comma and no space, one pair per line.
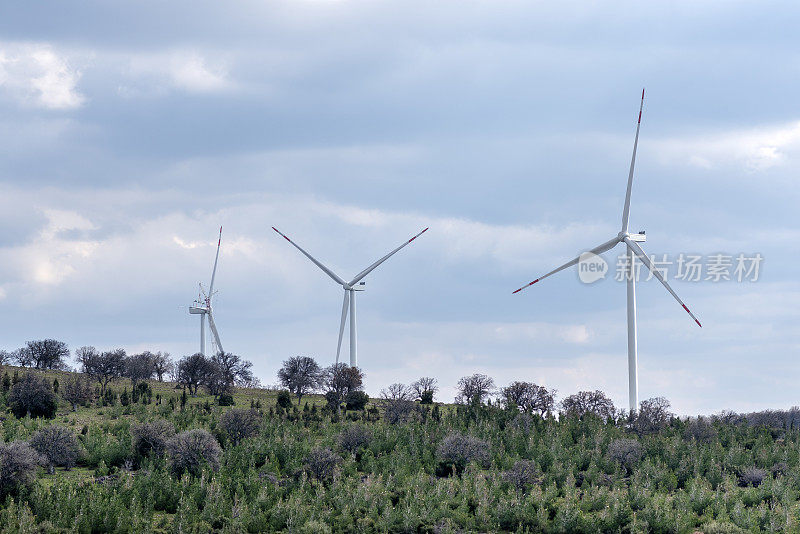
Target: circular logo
591,268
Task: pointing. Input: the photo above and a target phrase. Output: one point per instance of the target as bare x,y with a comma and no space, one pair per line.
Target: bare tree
397,392
23,357
103,367
150,439
301,375
76,390
475,389
588,403
140,367
5,357
189,451
57,445
240,423
626,452
18,463
424,389
321,463
457,450
48,353
85,354
653,415
529,397
162,364
235,369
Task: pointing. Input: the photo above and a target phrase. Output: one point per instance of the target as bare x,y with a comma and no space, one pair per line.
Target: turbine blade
310,257
597,250
216,259
214,330
372,267
646,260
626,210
341,325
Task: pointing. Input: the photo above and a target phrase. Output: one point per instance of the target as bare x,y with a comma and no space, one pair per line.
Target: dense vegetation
170,462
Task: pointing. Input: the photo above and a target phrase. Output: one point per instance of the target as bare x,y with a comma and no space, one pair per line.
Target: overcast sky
129,132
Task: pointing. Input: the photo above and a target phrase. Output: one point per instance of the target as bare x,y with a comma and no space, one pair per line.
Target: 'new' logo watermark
591,268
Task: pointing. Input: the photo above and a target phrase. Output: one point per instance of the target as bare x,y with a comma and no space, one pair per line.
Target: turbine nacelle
361,286
634,251
640,237
356,284
202,306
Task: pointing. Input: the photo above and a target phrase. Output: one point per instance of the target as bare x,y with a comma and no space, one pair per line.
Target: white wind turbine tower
634,251
202,307
350,289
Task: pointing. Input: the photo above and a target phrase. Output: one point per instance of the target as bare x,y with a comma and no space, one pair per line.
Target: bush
356,400
354,437
150,439
522,475
33,395
626,452
240,423
18,462
284,399
399,411
752,476
190,450
457,450
321,463
57,445
225,399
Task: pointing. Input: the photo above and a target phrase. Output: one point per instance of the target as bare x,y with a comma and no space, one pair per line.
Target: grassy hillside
432,469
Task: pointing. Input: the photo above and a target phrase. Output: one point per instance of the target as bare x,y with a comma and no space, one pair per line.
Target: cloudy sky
131,131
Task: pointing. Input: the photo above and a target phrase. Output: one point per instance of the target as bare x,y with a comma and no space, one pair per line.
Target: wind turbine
350,289
634,251
202,307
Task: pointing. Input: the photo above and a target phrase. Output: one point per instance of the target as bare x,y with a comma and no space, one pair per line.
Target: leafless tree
151,438
189,451
626,452
529,397
240,423
341,380
301,375
397,392
424,389
653,416
457,450
140,367
76,390
103,367
752,476
322,463
523,475
23,357
588,403
162,364
48,353
354,437
18,463
235,370
5,357
475,389
57,445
